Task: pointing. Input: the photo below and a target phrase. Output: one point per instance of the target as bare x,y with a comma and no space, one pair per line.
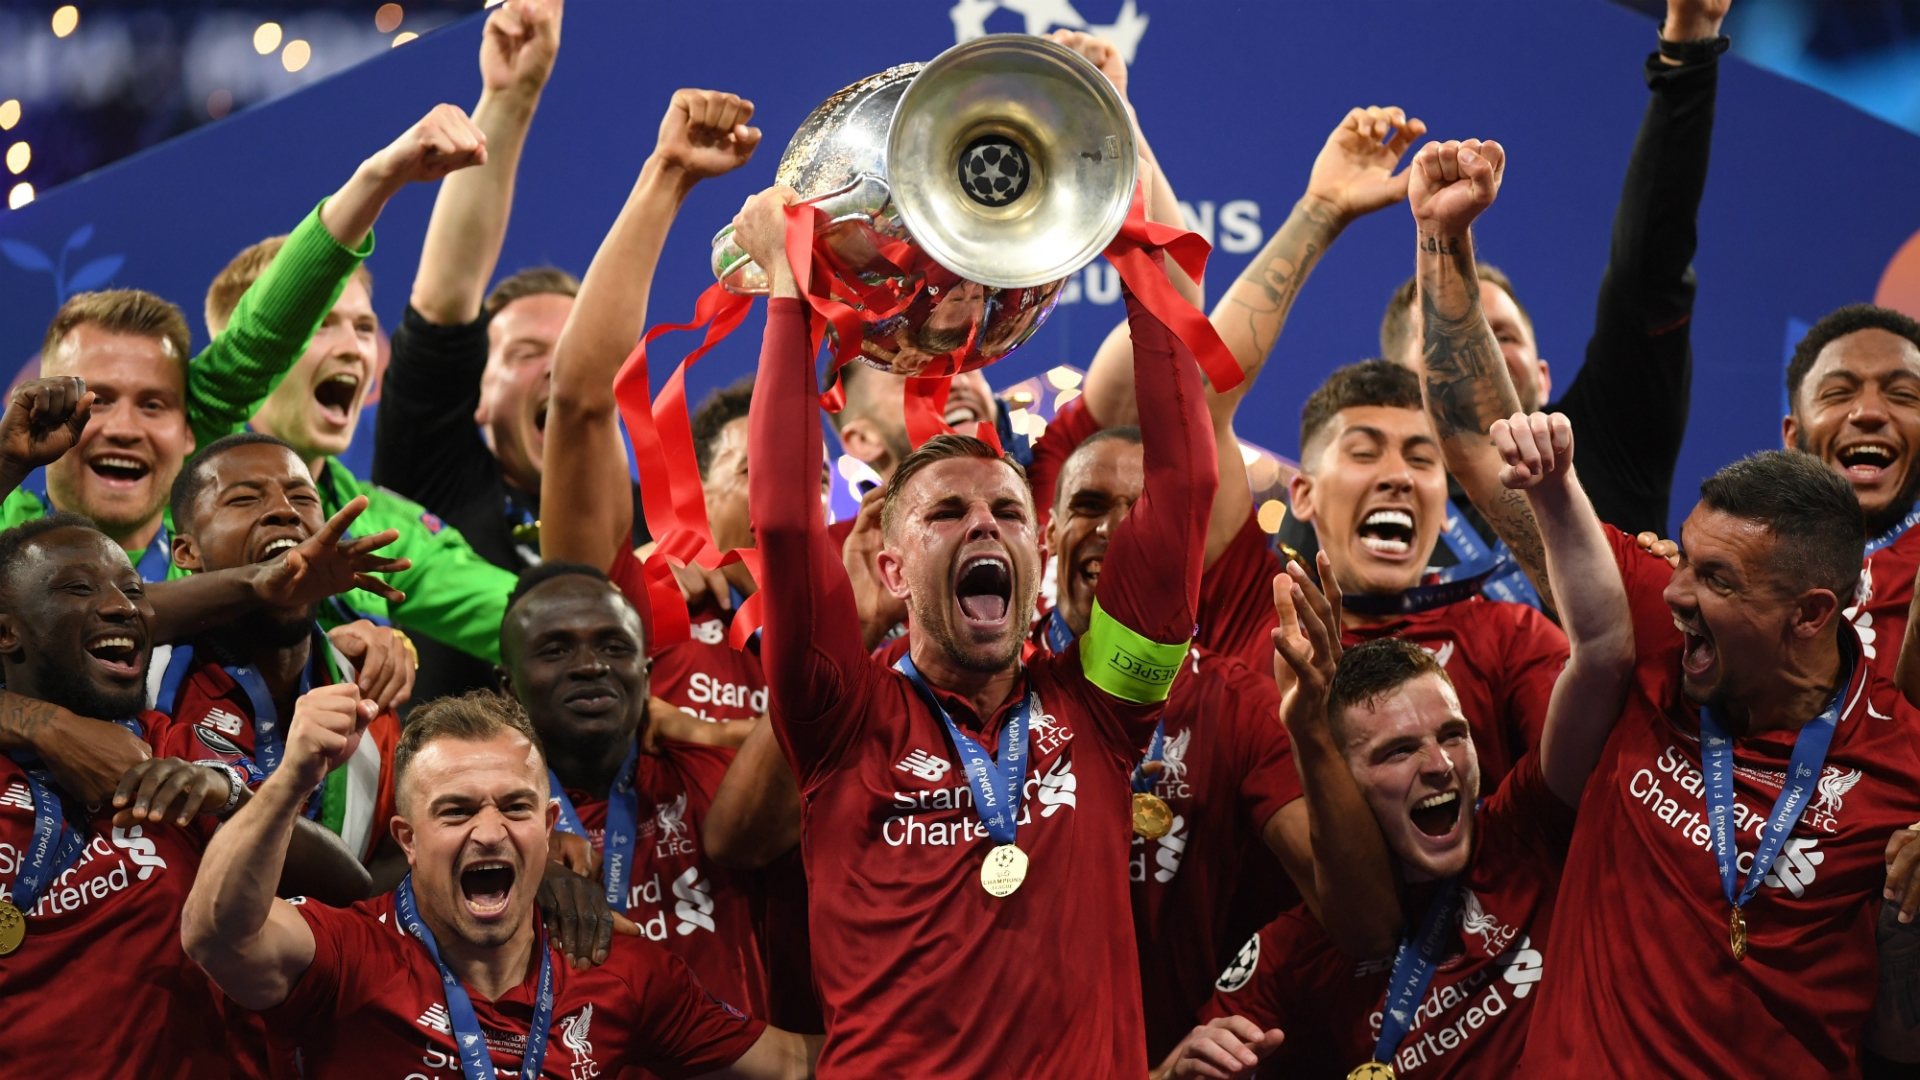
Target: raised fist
521,41
705,133
1354,172
1533,448
1450,183
444,141
1098,51
328,722
44,418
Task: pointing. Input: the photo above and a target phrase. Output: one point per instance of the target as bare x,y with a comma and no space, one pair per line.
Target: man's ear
10,643
1546,383
1300,496
893,572
186,553
860,438
503,680
1816,609
1789,432
402,830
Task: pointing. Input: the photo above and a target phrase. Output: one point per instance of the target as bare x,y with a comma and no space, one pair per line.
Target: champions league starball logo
970,21
993,171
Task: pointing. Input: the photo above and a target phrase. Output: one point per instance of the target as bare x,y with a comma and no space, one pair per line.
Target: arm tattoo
1278,272
23,719
1468,388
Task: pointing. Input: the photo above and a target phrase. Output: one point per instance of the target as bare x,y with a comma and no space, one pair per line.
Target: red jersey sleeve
1069,428
1534,653
1265,983
346,972
1646,576
1236,598
1270,779
1525,813
685,1029
810,641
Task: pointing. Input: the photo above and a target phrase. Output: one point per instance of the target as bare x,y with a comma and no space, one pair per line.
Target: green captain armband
1125,663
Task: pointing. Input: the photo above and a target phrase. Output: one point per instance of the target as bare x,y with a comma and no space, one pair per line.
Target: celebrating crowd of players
310,775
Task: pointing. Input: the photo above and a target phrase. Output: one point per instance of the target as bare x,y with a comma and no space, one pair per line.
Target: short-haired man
453,596
1012,860
152,406
1214,779
454,956
246,499
1481,876
574,653
93,894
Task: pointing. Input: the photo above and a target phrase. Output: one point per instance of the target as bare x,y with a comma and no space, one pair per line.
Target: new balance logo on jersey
711,632
17,794
224,722
1240,971
436,1019
925,766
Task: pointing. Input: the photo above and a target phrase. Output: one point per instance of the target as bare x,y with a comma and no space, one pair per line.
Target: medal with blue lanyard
1803,773
997,786
1887,538
1152,817
1413,967
623,827
55,847
476,1061
269,731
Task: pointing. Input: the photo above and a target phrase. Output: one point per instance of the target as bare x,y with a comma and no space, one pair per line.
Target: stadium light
403,37
21,195
296,54
19,156
388,18
9,113
65,20
266,38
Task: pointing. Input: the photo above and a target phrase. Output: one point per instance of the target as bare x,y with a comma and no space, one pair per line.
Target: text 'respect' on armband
1125,663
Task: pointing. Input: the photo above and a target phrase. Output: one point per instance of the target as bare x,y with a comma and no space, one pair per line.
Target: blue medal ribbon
1803,774
1887,538
56,845
1413,967
569,817
1059,635
1503,577
623,829
997,786
269,732
476,1061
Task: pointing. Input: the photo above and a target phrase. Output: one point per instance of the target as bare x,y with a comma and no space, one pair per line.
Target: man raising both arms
1383,721
1023,885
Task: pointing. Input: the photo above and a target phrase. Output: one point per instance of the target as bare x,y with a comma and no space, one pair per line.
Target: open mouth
116,652
1088,570
960,412
984,589
1436,815
335,396
277,547
487,886
1699,654
540,418
119,468
1388,533
1866,462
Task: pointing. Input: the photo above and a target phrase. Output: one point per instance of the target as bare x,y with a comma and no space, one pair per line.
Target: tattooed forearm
1513,521
1256,307
23,719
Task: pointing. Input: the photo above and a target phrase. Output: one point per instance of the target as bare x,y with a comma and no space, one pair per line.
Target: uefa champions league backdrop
1808,204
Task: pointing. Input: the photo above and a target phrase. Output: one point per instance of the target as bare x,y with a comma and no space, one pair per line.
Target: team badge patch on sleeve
1240,971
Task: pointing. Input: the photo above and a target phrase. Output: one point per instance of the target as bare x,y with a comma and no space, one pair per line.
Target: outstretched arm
469,222
1352,877
253,946
811,635
1537,456
1352,176
586,504
1466,382
1151,586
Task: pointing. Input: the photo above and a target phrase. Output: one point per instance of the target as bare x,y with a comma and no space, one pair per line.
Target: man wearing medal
969,905
1729,851
1383,722
90,905
451,970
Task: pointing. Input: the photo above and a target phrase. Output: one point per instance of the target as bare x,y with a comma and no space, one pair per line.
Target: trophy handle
867,200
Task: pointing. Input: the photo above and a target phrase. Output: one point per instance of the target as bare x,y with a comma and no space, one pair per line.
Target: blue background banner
1808,201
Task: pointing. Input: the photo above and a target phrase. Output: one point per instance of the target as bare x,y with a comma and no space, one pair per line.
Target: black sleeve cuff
1694,52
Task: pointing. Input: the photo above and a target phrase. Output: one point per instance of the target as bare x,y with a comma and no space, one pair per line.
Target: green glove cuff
1125,663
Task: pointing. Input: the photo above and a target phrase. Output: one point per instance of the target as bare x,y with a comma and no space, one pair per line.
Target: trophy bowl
958,197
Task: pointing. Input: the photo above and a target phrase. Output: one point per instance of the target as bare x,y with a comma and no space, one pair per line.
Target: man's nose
1869,410
489,828
116,422
277,509
1435,761
981,524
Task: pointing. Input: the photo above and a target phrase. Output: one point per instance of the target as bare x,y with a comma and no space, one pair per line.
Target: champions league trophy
959,196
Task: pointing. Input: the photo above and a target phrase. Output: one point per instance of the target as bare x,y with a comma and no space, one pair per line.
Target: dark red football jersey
1642,911
1879,608
372,1005
1473,1020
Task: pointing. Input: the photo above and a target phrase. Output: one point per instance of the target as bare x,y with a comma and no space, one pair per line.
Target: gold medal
1004,870
13,927
1151,816
1372,1070
1737,934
